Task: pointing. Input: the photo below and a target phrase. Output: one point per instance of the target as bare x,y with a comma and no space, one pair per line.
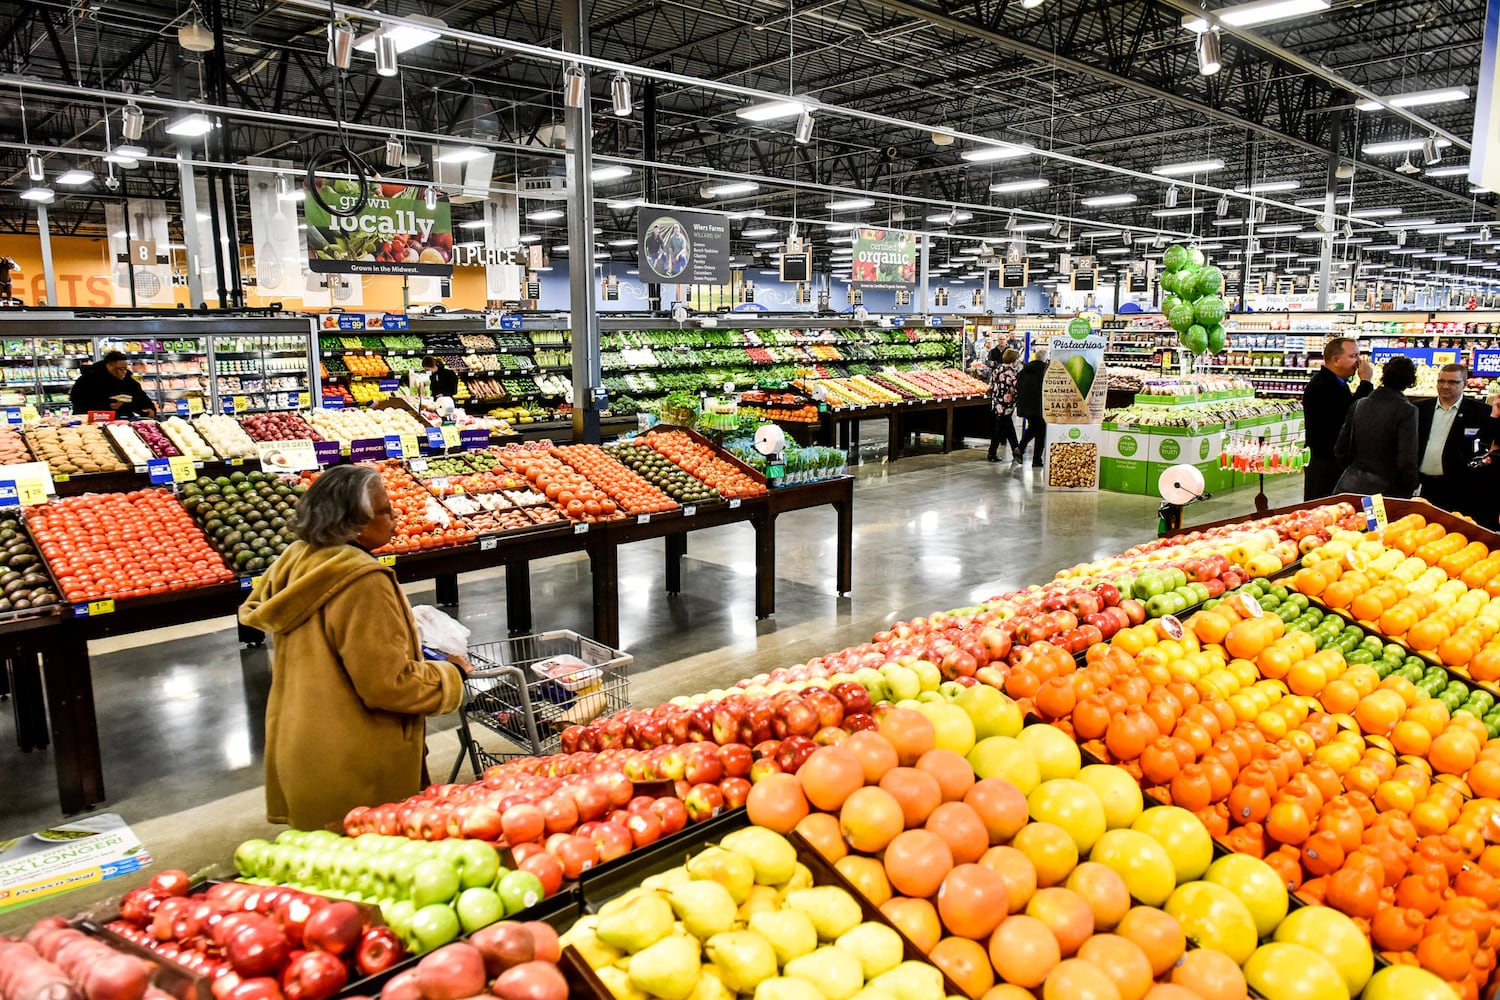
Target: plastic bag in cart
439,631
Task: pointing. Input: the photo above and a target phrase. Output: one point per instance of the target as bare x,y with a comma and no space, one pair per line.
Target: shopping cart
529,689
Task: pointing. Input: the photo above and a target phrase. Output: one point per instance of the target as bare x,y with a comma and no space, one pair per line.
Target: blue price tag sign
389,384
12,414
1487,362
395,321
367,449
160,470
473,438
434,438
9,495
327,452
333,402
510,321
393,446
352,321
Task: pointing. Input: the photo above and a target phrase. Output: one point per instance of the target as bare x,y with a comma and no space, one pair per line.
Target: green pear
617,981
711,986
640,923
790,932
667,969
586,940
733,871
801,878
762,897
871,993
878,947
771,855
787,988
832,910
666,879
705,908
836,973
743,958
624,899
911,981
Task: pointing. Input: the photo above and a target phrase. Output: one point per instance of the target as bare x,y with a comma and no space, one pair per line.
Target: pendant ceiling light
35,168
340,43
430,198
1171,199
804,128
1210,55
575,87
1223,206
394,152
385,54
619,93
132,122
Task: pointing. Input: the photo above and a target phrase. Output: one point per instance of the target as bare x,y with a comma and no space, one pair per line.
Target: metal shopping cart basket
529,689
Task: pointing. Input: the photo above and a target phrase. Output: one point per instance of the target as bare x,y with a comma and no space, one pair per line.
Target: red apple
379,949
736,759
826,705
612,840
701,764
672,813
735,790
314,975
645,827
546,868
703,802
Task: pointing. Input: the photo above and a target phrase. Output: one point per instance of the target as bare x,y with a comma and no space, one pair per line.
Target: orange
1123,962
870,819
962,829
1339,697
821,830
1453,752
1158,935
954,775
777,803
867,875
1247,638
1017,870
1367,607
829,776
1426,634
973,900
1000,806
1378,712
1211,628
917,919
1411,737
1050,849
1024,951
910,732
1484,778
966,963
874,751
1211,974
1067,916
1104,890
916,862
918,792
1075,979
1395,795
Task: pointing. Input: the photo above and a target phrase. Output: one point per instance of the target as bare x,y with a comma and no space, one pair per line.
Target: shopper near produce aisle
1377,446
1029,406
1447,432
1003,372
108,385
1325,404
970,345
440,378
349,685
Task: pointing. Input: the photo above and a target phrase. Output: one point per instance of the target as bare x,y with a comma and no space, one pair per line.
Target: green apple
902,683
432,927
479,907
478,863
433,882
520,890
928,674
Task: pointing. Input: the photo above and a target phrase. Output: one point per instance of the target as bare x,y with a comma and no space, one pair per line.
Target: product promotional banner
686,248
1074,388
393,233
279,256
884,258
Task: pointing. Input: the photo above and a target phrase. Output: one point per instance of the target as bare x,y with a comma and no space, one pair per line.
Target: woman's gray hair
336,506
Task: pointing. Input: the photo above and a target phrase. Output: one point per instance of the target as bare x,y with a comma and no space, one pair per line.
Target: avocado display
24,582
246,516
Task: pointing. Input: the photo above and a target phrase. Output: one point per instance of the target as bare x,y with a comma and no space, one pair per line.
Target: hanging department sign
684,248
884,258
394,233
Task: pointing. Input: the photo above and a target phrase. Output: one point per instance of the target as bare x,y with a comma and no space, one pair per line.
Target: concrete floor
181,710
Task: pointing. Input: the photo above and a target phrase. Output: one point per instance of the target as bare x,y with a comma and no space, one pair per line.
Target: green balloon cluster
1193,307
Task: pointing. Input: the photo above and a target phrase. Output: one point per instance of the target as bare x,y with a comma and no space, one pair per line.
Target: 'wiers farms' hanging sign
393,233
884,258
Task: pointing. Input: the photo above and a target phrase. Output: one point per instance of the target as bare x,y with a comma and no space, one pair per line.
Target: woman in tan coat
349,685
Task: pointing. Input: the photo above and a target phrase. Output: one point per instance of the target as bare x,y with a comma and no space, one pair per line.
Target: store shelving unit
221,364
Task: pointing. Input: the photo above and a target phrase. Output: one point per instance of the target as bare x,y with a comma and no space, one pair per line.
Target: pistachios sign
393,233
1074,387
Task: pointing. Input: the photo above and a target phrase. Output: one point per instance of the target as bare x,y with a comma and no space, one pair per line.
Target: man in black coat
108,385
1447,431
1029,406
1325,404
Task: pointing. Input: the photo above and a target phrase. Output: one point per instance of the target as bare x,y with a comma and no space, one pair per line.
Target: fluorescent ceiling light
840,227
459,154
1343,199
406,36
1409,223
620,205
749,213
1417,98
1014,187
1030,227
191,126
771,111
560,248
530,238
1213,246
1173,213
1400,146
622,243
999,151
758,232
471,224
1225,223
849,204
1311,234
1266,187
1109,200
75,177
1272,230
546,215
1188,169
772,245
951,216
1384,246
612,172
1374,213
1456,170
1449,228
1259,12
1358,239
1098,234
729,188
41,194
1112,251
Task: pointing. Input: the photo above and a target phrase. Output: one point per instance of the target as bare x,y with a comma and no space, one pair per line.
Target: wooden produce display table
840,426
60,640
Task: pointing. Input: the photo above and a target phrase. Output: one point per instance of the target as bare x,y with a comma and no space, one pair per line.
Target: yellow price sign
104,607
241,404
61,477
301,400
450,436
1445,357
182,468
195,405
409,446
28,414
388,560
30,493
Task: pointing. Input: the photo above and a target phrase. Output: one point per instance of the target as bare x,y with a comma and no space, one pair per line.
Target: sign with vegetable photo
884,258
393,233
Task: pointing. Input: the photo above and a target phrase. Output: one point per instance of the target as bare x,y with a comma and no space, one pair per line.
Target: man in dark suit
1325,404
1447,430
